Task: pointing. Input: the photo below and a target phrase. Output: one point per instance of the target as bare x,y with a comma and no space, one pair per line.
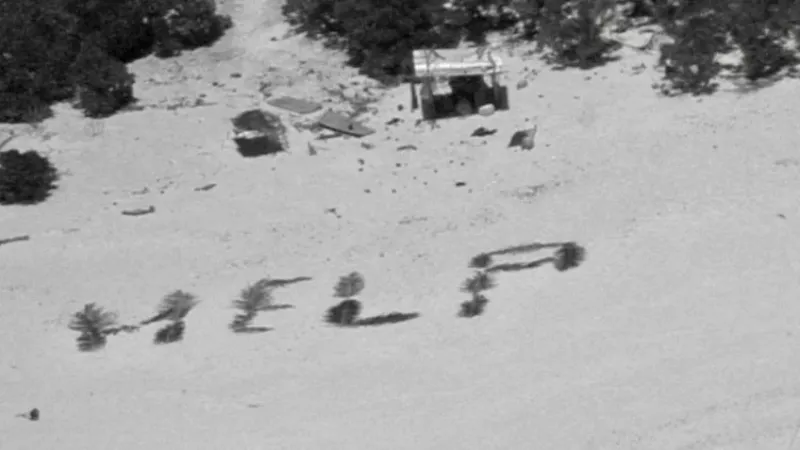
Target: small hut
258,133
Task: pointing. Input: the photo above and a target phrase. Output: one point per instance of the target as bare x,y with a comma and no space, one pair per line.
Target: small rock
486,110
236,75
522,84
460,184
367,146
406,147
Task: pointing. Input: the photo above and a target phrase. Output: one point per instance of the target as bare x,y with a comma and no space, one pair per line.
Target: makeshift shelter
453,81
258,133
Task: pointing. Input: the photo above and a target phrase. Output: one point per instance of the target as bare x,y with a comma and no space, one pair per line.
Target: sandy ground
680,330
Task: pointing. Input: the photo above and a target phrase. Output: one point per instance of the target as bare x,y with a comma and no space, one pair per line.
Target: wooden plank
295,105
338,122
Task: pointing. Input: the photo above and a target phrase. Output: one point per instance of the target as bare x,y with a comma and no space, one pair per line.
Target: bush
55,49
188,24
377,35
571,31
25,178
104,85
761,31
690,63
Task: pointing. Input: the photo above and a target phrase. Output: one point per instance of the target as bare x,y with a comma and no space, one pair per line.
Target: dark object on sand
294,105
344,314
339,123
481,132
139,211
14,239
258,133
570,255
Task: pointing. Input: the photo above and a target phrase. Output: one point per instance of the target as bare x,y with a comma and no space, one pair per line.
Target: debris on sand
482,131
524,139
14,239
139,211
258,133
32,415
207,187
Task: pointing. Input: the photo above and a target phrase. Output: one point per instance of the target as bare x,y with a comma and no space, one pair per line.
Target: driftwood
15,239
139,211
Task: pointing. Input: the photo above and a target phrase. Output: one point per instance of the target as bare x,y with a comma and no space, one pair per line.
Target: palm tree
94,324
174,307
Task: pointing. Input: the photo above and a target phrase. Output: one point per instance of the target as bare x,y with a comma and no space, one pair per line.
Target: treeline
58,50
379,34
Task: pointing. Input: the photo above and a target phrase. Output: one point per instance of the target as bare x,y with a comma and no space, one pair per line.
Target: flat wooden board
457,62
295,105
339,122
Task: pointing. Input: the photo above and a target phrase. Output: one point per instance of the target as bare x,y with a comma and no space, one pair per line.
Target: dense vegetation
57,50
378,34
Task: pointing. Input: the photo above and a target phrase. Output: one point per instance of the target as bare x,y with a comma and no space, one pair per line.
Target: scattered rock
367,146
236,75
406,147
139,211
522,84
394,121
482,131
460,184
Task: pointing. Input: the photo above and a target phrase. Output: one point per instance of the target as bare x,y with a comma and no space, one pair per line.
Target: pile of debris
258,133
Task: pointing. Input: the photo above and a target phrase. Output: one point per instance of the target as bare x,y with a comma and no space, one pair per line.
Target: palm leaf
479,282
349,286
256,297
176,305
92,319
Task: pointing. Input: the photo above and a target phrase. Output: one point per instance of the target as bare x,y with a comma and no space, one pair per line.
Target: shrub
25,177
94,324
188,24
377,35
570,255
104,85
53,50
689,62
760,30
571,31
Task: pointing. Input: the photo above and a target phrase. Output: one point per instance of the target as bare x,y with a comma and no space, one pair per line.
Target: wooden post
414,99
